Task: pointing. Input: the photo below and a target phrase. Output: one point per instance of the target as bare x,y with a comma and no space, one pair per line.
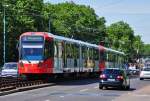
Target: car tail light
102,76
120,77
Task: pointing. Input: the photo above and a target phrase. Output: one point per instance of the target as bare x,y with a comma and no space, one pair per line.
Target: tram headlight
40,64
21,64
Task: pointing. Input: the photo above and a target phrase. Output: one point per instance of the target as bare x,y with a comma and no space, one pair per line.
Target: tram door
58,63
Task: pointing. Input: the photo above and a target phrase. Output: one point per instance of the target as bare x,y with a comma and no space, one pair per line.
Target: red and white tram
42,53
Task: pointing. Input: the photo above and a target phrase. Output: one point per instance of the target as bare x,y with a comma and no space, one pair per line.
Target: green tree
138,46
1,33
122,37
146,50
77,21
101,36
66,19
21,16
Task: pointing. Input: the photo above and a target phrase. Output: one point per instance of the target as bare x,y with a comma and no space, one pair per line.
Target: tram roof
56,37
79,42
115,51
83,43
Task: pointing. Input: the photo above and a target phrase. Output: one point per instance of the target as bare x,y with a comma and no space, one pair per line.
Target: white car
10,70
145,73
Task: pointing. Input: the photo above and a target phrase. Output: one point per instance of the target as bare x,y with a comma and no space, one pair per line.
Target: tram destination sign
32,38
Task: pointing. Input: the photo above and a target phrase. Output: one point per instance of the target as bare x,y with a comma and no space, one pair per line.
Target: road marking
142,95
96,87
47,100
83,90
61,96
134,79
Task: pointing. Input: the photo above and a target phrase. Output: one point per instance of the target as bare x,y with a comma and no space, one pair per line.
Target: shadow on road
79,82
118,89
146,80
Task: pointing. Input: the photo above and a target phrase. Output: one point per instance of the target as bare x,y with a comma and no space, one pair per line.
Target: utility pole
49,25
4,32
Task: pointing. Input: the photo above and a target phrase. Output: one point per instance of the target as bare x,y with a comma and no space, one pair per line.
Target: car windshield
146,69
112,71
32,48
32,53
10,66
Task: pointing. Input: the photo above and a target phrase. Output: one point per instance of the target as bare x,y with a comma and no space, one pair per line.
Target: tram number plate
111,79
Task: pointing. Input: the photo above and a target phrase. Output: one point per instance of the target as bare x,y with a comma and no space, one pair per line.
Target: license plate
111,79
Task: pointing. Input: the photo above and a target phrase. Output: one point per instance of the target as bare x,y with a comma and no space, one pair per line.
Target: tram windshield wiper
27,59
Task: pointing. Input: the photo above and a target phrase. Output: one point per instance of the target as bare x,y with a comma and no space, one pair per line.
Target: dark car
114,78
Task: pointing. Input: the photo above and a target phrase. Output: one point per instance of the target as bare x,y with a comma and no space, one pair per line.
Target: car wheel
122,87
128,87
106,87
141,78
100,87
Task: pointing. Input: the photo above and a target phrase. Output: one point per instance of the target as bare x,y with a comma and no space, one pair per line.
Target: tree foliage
77,21
121,37
67,19
146,50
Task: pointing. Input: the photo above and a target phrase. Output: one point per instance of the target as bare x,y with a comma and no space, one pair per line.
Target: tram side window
121,61
58,49
55,49
76,54
69,48
84,52
111,57
91,53
48,50
114,58
76,51
102,56
96,54
108,56
85,55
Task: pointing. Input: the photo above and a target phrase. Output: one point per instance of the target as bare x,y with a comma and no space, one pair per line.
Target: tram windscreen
32,47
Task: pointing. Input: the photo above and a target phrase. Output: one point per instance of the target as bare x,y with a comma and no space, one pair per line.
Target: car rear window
112,71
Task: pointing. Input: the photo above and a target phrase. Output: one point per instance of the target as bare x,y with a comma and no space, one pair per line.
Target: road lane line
47,100
61,96
83,90
96,87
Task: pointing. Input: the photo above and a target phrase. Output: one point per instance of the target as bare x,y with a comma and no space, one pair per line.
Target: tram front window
32,48
32,53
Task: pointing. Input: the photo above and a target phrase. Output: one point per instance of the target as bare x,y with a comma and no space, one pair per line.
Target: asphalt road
78,90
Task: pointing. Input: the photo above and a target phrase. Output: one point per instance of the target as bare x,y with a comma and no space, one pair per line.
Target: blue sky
135,12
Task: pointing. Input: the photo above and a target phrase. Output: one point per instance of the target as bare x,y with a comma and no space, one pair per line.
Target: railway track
7,84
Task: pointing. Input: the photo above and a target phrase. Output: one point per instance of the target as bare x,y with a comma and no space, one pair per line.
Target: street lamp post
49,25
4,32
